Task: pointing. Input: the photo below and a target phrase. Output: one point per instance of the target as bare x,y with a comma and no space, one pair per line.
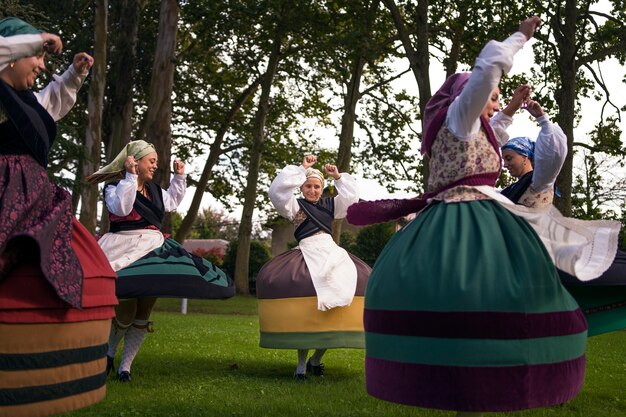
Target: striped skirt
603,300
465,311
288,314
53,356
171,271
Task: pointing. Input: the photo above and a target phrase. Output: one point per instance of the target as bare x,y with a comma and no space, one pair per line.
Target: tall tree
256,150
93,135
156,126
578,41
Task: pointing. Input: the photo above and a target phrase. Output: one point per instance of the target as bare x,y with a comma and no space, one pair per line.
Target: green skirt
465,311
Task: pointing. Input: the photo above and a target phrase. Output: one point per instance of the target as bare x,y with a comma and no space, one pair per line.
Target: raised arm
59,96
550,150
495,59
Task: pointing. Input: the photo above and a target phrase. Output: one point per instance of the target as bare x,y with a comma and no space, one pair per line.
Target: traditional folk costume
57,290
603,300
464,309
311,297
149,264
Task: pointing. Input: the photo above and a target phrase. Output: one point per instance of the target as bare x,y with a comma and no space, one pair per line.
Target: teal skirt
465,311
171,271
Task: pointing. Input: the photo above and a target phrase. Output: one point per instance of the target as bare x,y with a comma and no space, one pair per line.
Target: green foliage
371,240
259,255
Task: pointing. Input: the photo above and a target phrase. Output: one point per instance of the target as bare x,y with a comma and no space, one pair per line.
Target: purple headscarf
437,107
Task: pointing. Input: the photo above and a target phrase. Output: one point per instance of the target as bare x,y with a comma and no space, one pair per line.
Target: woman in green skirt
464,309
148,263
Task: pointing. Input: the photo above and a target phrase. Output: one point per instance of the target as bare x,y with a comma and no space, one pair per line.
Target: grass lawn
208,363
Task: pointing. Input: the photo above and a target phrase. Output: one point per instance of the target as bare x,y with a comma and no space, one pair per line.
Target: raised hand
130,165
529,26
519,99
332,171
178,166
309,161
82,62
534,108
51,43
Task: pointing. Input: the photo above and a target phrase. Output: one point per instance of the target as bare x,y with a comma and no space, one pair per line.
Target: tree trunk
93,135
565,35
419,57
250,192
119,109
158,120
123,63
215,151
346,137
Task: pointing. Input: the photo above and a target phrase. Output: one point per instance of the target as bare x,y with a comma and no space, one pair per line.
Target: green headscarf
11,26
115,170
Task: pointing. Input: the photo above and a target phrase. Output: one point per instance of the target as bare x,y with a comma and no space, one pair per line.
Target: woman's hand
51,43
332,171
529,26
309,161
82,62
179,167
520,96
130,165
534,108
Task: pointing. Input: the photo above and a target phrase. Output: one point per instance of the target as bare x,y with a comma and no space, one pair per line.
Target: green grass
203,364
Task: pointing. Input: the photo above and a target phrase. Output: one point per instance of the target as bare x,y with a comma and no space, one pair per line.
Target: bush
371,240
213,255
259,255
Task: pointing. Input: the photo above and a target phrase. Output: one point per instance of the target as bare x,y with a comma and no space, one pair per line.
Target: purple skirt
36,220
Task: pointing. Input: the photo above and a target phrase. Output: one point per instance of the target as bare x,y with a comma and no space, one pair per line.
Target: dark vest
29,129
320,217
516,190
151,211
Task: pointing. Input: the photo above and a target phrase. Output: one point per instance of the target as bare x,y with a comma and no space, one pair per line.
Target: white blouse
496,58
281,192
120,199
59,95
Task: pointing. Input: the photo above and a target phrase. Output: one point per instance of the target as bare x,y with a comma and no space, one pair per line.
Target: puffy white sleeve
500,122
59,96
347,194
281,191
121,197
495,59
550,153
17,47
175,193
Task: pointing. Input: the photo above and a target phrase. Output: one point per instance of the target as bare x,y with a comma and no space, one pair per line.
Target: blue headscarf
522,145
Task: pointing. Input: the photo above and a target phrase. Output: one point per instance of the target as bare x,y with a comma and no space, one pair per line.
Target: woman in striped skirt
57,290
148,264
311,297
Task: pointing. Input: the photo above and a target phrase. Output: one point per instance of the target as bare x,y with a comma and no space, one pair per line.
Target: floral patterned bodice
453,159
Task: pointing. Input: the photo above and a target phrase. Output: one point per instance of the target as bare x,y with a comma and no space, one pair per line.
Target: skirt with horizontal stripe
288,314
53,356
465,311
603,300
171,271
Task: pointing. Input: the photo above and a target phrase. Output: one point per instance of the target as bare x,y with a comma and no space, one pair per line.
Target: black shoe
315,370
299,377
124,376
109,364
